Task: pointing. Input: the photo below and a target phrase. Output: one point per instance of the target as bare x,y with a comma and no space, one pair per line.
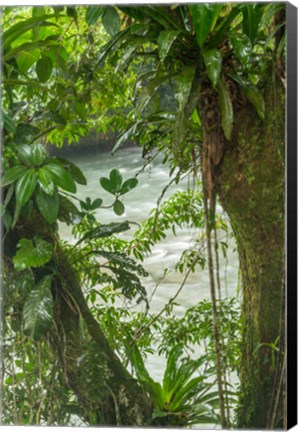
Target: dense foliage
170,78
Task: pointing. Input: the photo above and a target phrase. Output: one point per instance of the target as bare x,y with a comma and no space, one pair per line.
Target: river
138,203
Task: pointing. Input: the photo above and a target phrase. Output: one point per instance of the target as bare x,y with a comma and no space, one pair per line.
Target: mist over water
166,253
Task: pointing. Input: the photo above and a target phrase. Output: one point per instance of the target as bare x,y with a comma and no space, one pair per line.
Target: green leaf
8,123
32,253
26,59
15,31
24,132
44,68
45,180
38,154
118,207
12,174
183,83
251,18
212,59
38,309
106,184
96,203
242,47
105,231
226,106
111,21
252,93
61,177
165,41
25,187
25,153
202,18
71,12
93,13
116,179
68,212
48,205
128,185
74,170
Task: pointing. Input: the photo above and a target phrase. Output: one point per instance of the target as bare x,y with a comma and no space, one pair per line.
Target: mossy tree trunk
250,184
106,392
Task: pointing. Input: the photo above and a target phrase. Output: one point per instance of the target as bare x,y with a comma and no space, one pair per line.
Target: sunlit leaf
165,41
32,253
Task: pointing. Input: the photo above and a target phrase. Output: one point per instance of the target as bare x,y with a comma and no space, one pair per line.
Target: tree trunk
107,394
250,184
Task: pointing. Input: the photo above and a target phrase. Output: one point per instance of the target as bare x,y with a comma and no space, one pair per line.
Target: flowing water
138,203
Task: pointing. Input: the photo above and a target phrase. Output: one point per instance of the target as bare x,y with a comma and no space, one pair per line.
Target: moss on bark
250,184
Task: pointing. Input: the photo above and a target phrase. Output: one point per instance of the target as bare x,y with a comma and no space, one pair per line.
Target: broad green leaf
48,205
26,59
128,185
116,179
106,184
242,47
25,187
61,177
15,31
165,41
12,174
149,90
202,18
221,32
96,203
212,59
111,21
105,231
44,68
71,12
93,13
38,311
183,83
38,154
74,170
32,253
8,123
25,153
226,107
118,207
45,180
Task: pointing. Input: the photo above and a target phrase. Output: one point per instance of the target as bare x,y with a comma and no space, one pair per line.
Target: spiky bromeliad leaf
183,83
204,17
32,253
38,309
226,106
165,41
212,59
252,93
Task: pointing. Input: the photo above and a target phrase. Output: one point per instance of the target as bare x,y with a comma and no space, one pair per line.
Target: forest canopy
200,87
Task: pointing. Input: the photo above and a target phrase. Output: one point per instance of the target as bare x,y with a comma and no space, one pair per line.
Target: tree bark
250,185
107,394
